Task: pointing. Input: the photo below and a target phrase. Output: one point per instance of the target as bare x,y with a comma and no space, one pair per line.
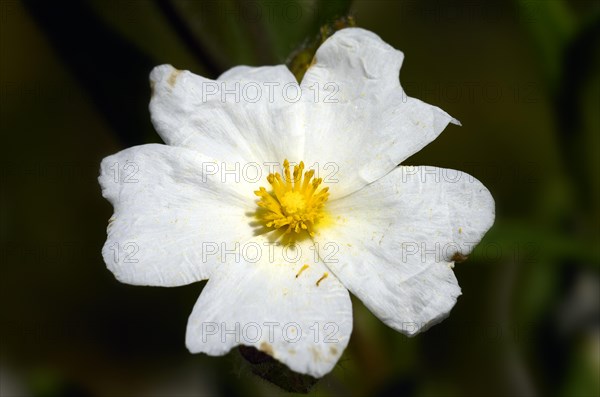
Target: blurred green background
522,76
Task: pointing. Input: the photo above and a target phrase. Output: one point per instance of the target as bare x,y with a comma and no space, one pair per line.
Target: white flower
187,211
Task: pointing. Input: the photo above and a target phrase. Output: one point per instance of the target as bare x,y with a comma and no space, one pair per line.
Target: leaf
275,372
551,26
574,106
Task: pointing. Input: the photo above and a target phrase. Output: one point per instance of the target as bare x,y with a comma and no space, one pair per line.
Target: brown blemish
333,351
173,77
323,277
458,257
266,348
110,222
152,85
316,354
303,268
292,351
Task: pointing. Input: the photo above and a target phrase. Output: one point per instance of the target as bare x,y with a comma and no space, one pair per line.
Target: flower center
295,201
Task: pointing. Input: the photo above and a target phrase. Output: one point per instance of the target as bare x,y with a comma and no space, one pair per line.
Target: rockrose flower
282,242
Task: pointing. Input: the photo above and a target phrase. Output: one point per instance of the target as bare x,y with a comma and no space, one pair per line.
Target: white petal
303,325
167,212
241,117
397,237
362,122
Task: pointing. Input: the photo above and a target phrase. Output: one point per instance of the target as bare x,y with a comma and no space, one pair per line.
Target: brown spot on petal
110,222
316,354
333,351
173,77
458,257
266,348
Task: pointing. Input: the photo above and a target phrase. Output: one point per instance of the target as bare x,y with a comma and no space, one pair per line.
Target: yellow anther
303,268
323,277
295,201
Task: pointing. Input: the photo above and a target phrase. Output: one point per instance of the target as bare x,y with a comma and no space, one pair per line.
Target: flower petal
276,303
360,120
398,238
241,117
167,213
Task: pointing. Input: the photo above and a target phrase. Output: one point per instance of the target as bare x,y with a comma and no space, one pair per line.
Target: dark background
522,76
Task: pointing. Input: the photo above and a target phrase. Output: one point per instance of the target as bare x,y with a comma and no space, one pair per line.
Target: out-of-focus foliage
522,76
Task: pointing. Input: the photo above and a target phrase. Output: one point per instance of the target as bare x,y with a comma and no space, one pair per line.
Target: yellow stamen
323,277
303,268
295,201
